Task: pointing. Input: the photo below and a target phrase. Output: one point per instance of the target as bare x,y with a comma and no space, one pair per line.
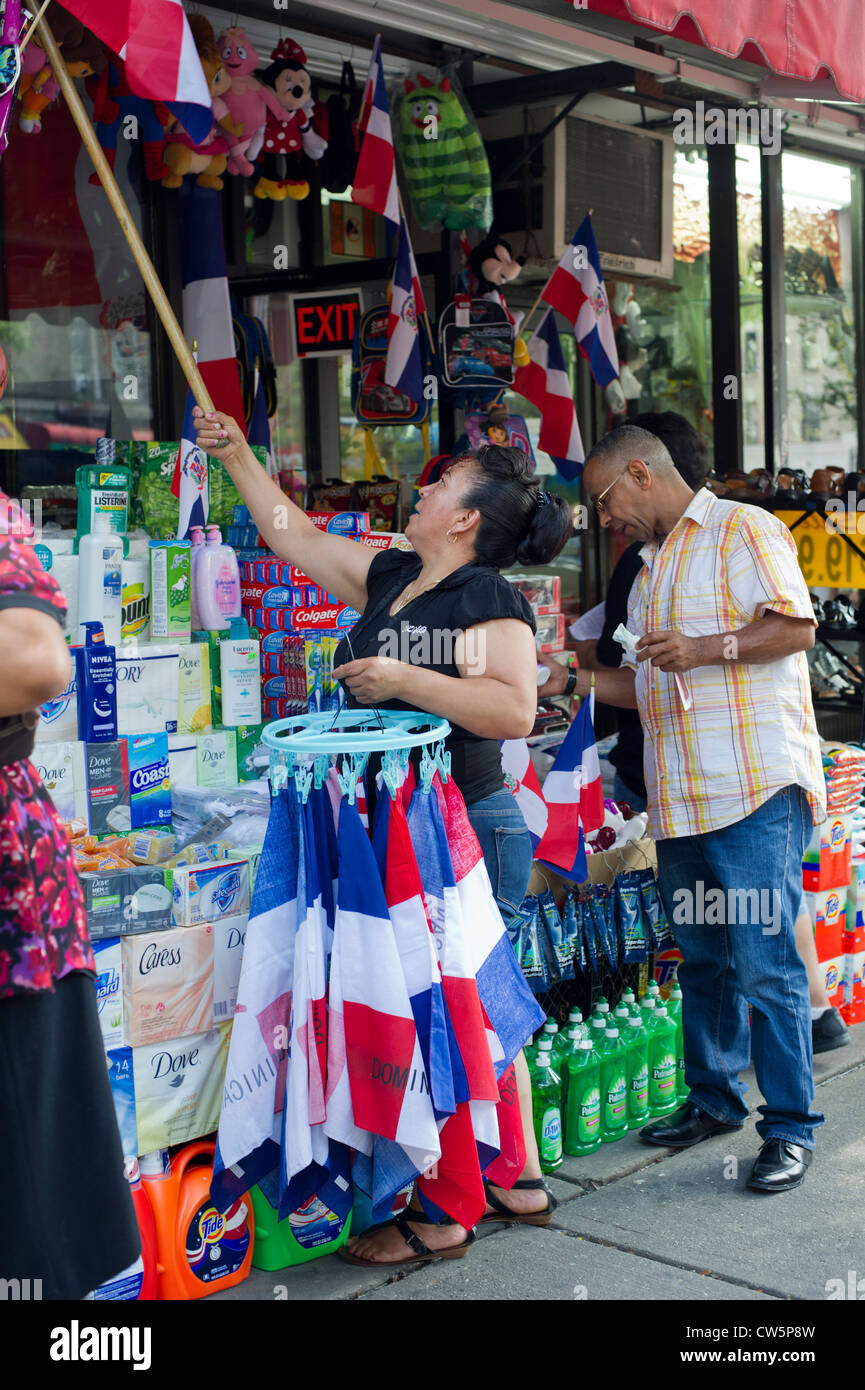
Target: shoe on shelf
829,1031
780,1166
686,1126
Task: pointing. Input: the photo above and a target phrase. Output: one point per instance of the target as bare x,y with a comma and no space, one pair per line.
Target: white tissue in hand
625,638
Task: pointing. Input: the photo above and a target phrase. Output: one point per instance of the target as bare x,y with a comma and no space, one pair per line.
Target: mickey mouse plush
301,131
493,265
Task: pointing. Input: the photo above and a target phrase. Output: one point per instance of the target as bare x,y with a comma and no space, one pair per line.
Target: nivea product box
108,787
109,991
149,782
229,938
216,759
122,1080
148,687
59,717
62,769
208,892
178,1087
828,858
123,901
167,984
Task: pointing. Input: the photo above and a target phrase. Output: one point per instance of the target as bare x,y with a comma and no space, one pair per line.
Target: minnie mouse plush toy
302,130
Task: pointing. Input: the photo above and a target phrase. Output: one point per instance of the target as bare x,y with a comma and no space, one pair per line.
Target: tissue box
828,858
167,984
178,1088
229,937
208,892
148,687
109,993
127,900
121,1080
62,769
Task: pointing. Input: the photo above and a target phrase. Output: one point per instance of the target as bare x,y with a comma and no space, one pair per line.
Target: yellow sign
826,559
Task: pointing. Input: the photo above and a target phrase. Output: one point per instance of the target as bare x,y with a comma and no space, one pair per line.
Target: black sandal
519,1218
422,1253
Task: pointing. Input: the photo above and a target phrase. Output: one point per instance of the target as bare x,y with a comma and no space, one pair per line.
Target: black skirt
68,1216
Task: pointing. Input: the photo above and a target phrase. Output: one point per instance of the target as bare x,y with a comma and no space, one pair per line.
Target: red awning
805,39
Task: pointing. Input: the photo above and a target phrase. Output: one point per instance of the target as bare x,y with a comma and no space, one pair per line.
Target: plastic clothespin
393,771
428,770
320,770
303,781
443,759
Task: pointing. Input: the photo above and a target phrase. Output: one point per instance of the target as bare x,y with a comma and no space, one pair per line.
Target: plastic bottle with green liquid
570,1045
637,1041
583,1108
662,1064
674,1010
547,1113
614,1087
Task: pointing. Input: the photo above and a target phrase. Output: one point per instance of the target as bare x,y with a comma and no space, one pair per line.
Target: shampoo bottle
240,666
218,597
100,590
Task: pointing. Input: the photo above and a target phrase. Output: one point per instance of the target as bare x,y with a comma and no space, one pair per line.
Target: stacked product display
833,874
544,596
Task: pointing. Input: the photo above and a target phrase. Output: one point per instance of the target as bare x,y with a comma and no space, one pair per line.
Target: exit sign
324,324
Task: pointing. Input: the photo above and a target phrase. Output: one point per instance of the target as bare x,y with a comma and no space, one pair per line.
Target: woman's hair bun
516,526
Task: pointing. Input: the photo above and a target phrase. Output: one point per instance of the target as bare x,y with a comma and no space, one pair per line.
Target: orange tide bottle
138,1282
200,1250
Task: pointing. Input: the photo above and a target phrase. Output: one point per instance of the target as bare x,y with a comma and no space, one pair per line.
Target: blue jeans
747,955
506,846
623,793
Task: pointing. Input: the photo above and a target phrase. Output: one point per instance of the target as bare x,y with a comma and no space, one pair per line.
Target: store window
75,319
821,337
749,218
668,353
287,424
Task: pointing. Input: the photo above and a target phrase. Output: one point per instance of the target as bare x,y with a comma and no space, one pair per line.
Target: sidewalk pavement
636,1222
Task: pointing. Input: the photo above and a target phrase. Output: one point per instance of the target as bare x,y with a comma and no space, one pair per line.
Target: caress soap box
168,984
208,892
178,1088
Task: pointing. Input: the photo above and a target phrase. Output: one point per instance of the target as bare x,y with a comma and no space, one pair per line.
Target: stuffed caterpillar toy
444,159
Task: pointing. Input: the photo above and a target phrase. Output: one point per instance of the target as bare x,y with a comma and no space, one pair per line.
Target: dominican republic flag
206,302
155,42
545,383
190,476
404,364
258,429
576,289
512,1012
247,1146
523,781
374,182
574,797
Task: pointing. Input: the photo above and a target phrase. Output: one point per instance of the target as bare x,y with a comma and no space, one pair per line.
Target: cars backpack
476,344
374,402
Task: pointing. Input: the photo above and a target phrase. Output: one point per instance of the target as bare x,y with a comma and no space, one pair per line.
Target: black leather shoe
686,1126
780,1165
828,1032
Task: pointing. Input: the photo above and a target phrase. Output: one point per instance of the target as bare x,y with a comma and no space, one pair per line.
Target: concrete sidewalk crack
675,1264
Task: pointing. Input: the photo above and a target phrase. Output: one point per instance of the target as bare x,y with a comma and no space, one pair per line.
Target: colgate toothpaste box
828,858
385,540
325,617
167,984
340,523
828,914
268,596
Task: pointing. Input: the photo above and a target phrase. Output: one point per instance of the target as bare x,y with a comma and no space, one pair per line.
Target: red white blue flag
576,288
574,797
404,364
155,42
545,382
190,474
374,182
206,300
522,780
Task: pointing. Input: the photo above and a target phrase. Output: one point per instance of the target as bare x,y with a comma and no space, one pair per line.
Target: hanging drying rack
302,746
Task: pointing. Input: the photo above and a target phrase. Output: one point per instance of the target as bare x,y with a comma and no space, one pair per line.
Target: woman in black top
440,631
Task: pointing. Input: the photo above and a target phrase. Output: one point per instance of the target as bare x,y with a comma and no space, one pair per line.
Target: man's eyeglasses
598,502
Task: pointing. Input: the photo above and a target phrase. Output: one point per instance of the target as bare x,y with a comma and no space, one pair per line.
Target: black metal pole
774,313
724,280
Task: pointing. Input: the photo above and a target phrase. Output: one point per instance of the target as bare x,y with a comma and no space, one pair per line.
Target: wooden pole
121,211
31,27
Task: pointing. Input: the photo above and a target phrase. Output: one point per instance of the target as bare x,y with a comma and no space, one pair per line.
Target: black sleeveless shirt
423,632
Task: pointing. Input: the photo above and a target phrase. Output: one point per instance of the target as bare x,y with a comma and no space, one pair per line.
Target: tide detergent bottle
139,1280
200,1250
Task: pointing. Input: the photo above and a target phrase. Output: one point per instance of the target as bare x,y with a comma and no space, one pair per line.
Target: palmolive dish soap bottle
200,1250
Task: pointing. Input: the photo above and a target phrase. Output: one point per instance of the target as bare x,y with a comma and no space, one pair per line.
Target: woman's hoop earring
452,538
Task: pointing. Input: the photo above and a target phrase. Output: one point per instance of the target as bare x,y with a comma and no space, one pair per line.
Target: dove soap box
108,787
167,984
194,713
229,939
170,590
149,781
179,1088
216,759
61,767
122,902
148,686
209,892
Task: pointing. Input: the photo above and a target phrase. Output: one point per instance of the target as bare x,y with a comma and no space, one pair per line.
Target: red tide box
853,941
856,894
828,858
550,635
854,1013
829,918
833,973
854,978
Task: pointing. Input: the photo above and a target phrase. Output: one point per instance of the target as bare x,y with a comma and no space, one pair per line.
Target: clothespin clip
320,769
428,769
444,762
303,781
393,771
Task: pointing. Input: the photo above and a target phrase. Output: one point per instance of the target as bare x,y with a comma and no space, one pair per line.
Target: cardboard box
550,635
122,1082
229,937
543,592
833,973
62,767
828,915
109,991
123,901
853,1013
178,1088
167,984
323,617
603,868
854,978
208,892
853,941
828,858
341,523
109,810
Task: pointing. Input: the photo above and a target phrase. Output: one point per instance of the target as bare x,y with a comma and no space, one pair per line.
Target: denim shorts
506,846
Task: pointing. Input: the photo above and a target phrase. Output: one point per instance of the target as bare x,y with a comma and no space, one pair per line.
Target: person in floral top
71,1224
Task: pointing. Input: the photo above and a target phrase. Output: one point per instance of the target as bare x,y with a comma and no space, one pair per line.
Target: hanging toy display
476,339
302,128
208,158
10,62
113,104
495,425
83,54
248,102
374,402
446,168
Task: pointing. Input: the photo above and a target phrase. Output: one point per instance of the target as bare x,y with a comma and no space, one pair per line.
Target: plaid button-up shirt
750,730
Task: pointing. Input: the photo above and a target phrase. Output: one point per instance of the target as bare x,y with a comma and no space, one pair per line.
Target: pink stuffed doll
247,100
